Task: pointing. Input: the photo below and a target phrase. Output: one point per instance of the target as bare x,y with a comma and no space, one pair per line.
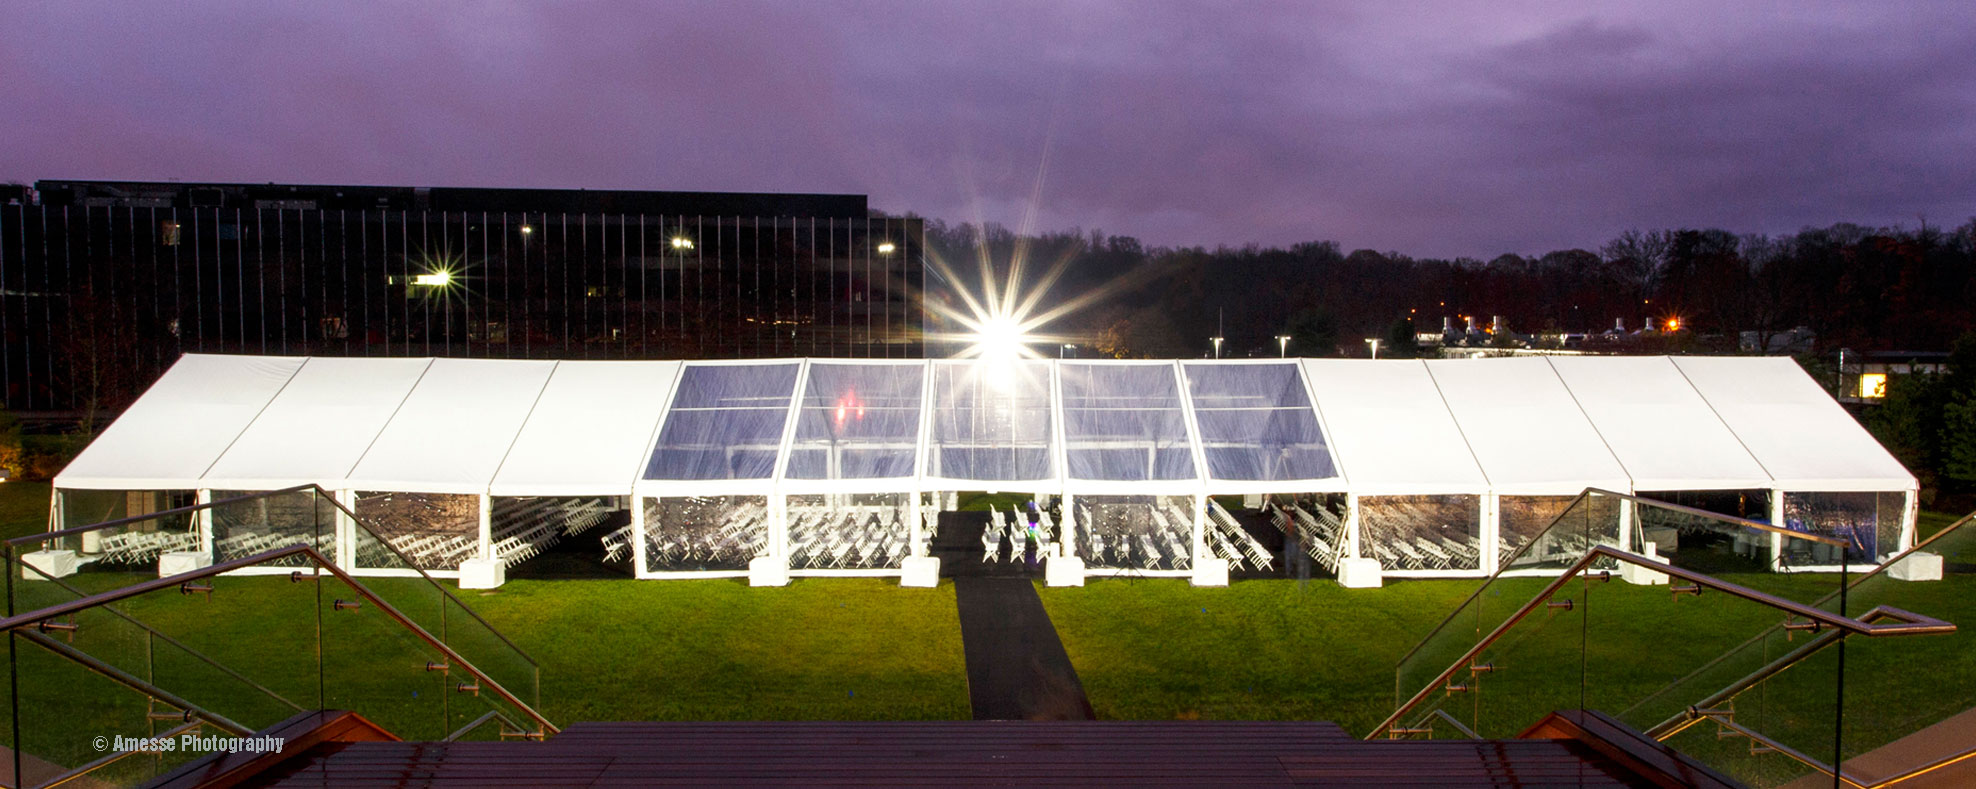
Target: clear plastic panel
726,422
1869,522
991,421
849,531
521,527
1124,423
265,522
435,531
1413,533
1314,526
1137,532
1257,422
858,421
700,533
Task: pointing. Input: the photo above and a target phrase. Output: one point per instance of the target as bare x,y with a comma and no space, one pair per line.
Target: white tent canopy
1463,434
1801,436
319,426
588,433
183,423
1527,432
1657,425
1392,429
1525,426
453,430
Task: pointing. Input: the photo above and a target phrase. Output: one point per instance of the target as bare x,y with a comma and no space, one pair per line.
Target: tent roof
1527,431
1523,426
319,426
1658,426
454,429
183,423
1392,430
1792,426
589,431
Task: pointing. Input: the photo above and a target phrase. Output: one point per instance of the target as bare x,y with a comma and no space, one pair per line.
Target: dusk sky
1433,129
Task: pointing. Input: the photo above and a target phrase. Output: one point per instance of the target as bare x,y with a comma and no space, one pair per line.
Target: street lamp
1217,346
1375,347
1282,345
1066,347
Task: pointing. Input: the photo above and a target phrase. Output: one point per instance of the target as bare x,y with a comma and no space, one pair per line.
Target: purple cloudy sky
1444,129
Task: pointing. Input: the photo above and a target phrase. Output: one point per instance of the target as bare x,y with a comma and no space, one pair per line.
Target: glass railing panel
372,663
1563,543
73,718
246,523
491,653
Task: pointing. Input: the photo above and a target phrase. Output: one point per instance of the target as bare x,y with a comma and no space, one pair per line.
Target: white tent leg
1490,551
638,537
1626,525
1777,520
346,529
1910,512
204,496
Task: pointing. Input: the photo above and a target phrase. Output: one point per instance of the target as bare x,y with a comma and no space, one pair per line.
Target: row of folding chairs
1239,543
137,547
858,538
1320,530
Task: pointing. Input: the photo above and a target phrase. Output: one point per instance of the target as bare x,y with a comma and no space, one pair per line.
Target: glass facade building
103,286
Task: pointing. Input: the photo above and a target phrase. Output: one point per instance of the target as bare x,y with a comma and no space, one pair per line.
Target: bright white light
886,248
438,279
1000,338
682,242
527,229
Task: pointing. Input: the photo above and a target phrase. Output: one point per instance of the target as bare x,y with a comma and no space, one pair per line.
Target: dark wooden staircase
971,753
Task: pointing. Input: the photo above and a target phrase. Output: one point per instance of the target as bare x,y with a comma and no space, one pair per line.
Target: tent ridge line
487,487
1590,421
1724,420
388,420
257,416
1457,423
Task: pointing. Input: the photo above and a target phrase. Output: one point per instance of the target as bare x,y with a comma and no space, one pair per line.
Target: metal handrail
1587,493
322,494
1839,773
1819,642
133,682
20,621
1907,623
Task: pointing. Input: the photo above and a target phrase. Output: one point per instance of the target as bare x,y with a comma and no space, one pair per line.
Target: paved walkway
1016,667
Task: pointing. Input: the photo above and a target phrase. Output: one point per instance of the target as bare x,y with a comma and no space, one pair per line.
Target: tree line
1858,287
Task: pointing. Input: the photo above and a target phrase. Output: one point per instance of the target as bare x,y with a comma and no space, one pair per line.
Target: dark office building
104,284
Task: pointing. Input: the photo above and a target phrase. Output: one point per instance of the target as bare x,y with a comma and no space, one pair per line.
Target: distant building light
1873,385
887,248
437,279
527,229
682,242
1673,324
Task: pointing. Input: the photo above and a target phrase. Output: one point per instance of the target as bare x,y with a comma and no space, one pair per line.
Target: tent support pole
1352,529
1492,531
1777,520
205,496
1067,528
1910,513
486,527
637,536
1627,527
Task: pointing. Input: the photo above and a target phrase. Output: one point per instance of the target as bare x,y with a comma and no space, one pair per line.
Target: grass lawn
617,649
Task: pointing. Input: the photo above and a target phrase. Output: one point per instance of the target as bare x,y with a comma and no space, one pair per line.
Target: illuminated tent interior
769,469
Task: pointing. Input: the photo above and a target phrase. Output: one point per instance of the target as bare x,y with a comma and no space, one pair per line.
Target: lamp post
1061,350
1282,345
1217,346
1375,347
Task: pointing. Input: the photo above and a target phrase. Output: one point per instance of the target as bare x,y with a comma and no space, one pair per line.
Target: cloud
1435,130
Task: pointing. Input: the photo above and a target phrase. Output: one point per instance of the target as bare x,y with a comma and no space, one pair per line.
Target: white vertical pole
486,527
1626,524
205,496
346,529
1777,520
1067,528
1491,533
638,527
1200,527
1910,512
1352,537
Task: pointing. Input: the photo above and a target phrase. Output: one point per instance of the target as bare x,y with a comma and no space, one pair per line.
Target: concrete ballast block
43,565
768,571
1064,571
1361,574
1210,572
921,572
483,574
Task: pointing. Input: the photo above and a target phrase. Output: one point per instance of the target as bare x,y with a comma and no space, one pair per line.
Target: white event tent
779,467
